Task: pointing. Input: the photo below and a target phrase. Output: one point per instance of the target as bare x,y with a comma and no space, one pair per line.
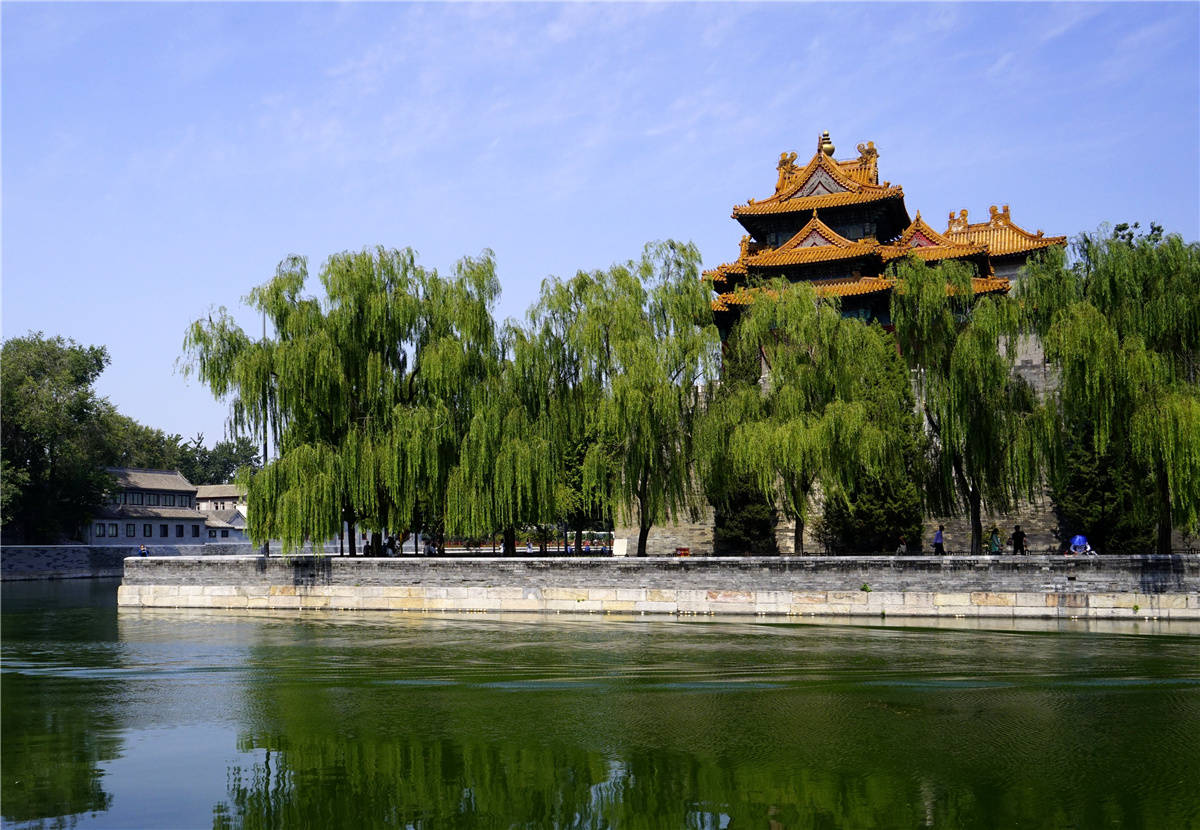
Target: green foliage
54,437
201,465
744,522
1108,497
646,349
367,391
813,415
983,419
874,514
1122,325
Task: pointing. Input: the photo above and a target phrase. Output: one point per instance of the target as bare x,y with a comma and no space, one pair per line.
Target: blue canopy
1078,541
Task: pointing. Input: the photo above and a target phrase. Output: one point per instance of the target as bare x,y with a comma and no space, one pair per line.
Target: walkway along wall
1003,586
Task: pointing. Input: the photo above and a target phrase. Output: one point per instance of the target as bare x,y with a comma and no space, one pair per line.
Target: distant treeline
58,436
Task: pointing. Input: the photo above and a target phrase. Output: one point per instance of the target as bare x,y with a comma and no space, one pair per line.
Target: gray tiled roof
233,517
218,491
127,511
138,479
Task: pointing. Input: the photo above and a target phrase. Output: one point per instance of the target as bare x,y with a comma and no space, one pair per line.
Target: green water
153,719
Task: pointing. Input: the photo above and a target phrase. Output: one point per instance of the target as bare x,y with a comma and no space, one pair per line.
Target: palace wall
1008,587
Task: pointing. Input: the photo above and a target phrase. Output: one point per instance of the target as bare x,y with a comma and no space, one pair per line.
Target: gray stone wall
912,586
18,562
665,539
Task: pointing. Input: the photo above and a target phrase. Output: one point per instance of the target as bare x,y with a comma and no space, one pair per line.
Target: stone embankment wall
1007,586
19,562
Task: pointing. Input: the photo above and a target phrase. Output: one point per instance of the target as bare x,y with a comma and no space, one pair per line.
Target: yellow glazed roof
851,287
999,233
815,242
925,243
823,183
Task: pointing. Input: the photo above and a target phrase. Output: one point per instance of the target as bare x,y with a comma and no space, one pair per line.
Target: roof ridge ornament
866,152
825,144
787,168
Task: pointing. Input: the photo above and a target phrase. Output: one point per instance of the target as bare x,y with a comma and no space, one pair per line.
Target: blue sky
161,159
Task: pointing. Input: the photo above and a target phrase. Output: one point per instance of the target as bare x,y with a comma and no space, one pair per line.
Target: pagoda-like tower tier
833,225
847,194
882,217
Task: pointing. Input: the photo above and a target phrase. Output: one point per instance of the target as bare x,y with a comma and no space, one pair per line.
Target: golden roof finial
825,144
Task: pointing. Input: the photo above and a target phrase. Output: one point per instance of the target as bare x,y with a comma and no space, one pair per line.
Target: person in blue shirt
939,540
1080,546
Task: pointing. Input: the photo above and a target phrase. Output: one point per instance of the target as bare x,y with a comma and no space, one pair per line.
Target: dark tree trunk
1164,511
798,537
578,540
976,502
643,532
510,541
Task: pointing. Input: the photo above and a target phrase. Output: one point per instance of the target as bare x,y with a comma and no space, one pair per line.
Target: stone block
660,595
810,598
574,605
953,600
602,594
520,604
991,598
740,597
284,601
405,603
219,590
919,598
649,607
888,600
283,591
617,606
848,597
631,594
506,592
1030,599
559,594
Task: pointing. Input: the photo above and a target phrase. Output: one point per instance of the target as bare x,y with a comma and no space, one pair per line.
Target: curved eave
774,206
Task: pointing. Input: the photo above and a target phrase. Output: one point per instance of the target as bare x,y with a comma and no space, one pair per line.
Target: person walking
939,541
1018,541
994,541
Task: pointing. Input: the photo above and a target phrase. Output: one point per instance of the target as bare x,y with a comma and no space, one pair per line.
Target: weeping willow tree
1122,327
799,416
509,468
983,420
367,391
574,385
648,350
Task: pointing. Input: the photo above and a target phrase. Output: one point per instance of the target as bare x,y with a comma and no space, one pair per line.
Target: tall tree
574,385
367,390
508,468
55,431
217,465
1122,327
646,340
792,414
982,418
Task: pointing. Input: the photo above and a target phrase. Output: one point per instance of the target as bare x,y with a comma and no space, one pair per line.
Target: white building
148,507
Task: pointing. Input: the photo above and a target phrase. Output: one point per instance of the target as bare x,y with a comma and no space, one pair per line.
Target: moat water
163,719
